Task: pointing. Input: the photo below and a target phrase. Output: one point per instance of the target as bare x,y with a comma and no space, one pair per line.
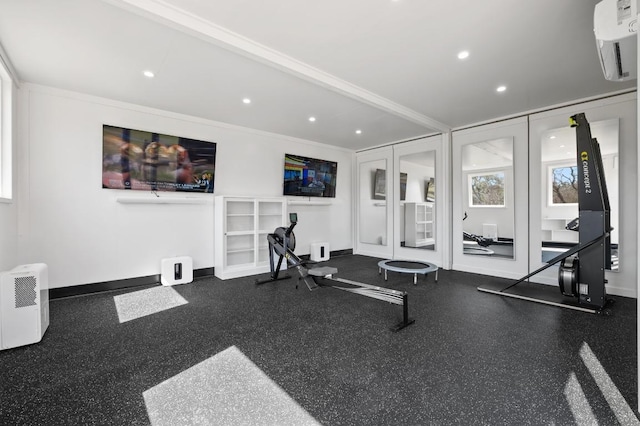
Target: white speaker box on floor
319,252
24,305
490,231
176,270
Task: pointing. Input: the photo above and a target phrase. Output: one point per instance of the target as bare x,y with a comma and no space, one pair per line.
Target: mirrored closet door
374,216
553,193
490,199
419,201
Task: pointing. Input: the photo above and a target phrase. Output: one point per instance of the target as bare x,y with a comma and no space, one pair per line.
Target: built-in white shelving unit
241,228
419,229
553,229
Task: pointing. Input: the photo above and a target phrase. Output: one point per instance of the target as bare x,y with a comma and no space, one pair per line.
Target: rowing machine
282,242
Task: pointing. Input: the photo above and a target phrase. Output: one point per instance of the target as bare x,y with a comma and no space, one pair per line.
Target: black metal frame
280,243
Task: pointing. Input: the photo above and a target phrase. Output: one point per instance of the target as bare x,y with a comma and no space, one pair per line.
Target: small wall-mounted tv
140,160
309,177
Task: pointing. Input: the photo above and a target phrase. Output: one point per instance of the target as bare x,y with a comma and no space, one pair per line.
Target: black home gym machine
282,243
581,275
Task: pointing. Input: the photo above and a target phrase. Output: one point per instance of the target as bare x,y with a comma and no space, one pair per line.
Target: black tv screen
309,177
140,160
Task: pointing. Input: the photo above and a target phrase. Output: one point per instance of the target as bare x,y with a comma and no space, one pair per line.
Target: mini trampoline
407,267
483,251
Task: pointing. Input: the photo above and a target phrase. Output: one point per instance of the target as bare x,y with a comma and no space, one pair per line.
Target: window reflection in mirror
489,211
373,211
417,200
560,176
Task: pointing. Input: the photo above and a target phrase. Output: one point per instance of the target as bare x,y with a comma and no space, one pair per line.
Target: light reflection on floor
141,303
226,389
578,401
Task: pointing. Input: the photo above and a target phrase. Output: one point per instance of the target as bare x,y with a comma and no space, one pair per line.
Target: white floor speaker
319,252
176,270
24,305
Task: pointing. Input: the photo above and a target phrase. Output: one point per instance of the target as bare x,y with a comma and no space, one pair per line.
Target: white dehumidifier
24,305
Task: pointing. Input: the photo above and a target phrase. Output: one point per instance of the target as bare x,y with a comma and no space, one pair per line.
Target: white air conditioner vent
615,24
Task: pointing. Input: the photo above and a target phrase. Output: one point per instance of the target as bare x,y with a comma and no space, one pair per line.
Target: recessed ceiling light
312,119
561,146
358,132
501,88
246,101
148,73
463,55
552,137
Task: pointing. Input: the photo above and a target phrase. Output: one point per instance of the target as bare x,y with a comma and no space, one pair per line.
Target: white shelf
241,228
162,200
418,224
309,203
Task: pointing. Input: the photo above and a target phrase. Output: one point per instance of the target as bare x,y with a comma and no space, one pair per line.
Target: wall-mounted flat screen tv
140,160
309,177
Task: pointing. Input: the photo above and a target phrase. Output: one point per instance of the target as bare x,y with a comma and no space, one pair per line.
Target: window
486,189
6,85
563,185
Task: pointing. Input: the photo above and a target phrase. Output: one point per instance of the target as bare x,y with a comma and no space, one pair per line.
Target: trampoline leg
436,275
385,274
415,279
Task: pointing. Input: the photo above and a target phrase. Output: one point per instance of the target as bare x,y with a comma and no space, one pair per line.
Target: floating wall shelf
163,200
309,203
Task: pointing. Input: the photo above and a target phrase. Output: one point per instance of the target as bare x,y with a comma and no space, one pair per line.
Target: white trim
4,62
127,106
598,100
195,25
6,129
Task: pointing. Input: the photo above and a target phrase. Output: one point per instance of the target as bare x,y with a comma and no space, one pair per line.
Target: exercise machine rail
282,244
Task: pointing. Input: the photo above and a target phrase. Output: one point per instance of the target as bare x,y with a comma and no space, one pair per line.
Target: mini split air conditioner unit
24,305
615,26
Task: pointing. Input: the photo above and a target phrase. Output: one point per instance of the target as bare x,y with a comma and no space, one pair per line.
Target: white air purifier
24,305
176,270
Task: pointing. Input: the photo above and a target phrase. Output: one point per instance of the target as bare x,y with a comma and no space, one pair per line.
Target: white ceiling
389,68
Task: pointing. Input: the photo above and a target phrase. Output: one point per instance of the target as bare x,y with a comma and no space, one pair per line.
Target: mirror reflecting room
373,196
560,172
417,200
487,198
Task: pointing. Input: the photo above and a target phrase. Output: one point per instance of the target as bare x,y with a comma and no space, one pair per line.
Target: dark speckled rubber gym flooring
470,358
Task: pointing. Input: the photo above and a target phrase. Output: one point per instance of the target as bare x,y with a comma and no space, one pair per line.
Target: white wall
8,236
85,236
